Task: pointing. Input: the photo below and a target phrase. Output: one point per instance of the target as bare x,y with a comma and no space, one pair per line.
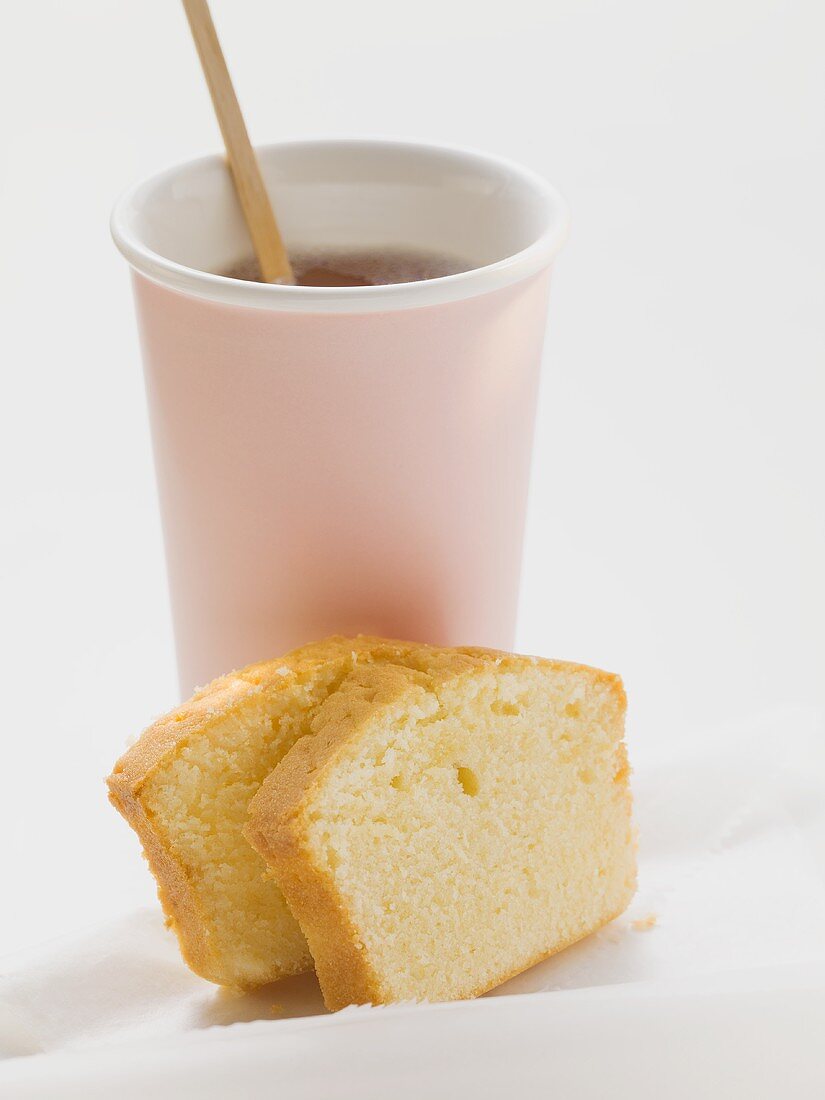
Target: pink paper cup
349,459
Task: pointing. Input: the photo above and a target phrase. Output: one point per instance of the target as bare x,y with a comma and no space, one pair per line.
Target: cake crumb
644,924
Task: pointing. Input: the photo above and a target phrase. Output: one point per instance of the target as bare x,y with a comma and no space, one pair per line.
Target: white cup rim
202,284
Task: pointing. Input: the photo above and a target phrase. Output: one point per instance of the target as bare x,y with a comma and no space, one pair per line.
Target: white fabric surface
723,996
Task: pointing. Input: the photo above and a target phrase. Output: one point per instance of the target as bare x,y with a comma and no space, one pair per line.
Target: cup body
352,459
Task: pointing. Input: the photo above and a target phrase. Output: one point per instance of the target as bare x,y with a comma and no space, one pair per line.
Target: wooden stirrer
246,172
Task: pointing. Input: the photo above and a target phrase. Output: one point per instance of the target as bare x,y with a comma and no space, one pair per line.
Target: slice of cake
185,787
455,818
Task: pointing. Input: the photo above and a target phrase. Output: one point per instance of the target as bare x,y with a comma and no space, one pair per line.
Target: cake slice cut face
185,786
454,818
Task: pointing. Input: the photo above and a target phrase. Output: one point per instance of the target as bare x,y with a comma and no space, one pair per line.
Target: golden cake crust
160,741
276,825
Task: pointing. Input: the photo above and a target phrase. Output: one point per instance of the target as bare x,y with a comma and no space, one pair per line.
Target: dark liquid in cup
370,267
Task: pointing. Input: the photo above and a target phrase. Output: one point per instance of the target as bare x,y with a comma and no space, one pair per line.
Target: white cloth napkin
712,984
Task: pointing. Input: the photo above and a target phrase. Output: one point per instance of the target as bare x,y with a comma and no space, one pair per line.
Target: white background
676,531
